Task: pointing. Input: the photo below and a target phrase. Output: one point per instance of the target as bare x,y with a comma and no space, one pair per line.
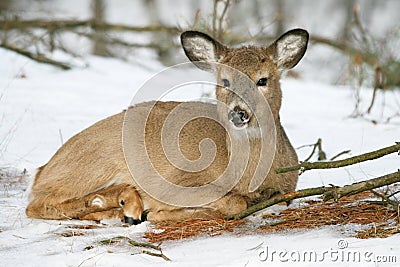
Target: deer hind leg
73,208
101,215
227,205
47,208
97,203
182,214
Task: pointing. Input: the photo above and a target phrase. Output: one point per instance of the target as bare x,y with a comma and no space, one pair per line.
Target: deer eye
122,202
262,82
226,83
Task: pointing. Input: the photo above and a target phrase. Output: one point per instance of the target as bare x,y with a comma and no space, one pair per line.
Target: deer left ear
202,49
290,48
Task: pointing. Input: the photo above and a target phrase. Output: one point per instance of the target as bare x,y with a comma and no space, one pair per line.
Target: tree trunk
163,39
280,17
99,47
348,10
5,5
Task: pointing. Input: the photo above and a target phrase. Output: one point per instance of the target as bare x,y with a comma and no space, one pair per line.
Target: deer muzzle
239,117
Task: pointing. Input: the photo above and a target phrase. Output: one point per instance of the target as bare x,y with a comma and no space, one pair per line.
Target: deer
99,159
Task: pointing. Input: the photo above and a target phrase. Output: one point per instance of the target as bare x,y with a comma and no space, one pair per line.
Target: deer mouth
240,124
131,220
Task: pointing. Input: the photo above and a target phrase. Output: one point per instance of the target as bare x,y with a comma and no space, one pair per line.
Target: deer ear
202,49
290,48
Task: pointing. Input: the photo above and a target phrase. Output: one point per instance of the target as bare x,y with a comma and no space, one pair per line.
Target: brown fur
93,160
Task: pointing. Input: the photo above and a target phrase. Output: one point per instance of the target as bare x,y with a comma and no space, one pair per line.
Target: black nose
238,117
131,221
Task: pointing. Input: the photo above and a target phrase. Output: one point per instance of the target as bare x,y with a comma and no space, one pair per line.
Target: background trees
362,34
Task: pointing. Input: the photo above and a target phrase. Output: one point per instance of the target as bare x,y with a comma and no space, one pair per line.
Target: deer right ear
290,48
202,49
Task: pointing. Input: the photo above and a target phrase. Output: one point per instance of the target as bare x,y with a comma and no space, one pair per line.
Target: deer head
252,72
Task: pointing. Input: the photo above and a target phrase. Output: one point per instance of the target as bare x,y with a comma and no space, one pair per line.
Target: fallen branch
130,241
36,57
137,244
304,166
156,255
332,192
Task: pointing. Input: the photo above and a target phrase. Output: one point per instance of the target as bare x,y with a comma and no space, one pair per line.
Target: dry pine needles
176,230
352,210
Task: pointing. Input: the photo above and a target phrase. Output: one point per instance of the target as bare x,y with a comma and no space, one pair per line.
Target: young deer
99,158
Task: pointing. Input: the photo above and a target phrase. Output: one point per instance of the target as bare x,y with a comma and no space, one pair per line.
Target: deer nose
238,117
131,221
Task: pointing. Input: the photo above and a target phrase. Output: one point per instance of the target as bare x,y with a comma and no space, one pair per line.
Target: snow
41,107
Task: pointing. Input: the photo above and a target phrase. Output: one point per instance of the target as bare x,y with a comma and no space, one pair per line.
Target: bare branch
117,41
36,57
61,25
304,166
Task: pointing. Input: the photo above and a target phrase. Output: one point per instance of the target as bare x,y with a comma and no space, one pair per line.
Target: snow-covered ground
41,107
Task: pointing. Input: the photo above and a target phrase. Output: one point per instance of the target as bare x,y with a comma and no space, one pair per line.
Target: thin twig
284,221
387,200
137,244
85,260
378,83
214,20
218,18
313,150
130,241
304,166
161,255
340,154
372,100
357,22
321,153
221,19
61,137
394,193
